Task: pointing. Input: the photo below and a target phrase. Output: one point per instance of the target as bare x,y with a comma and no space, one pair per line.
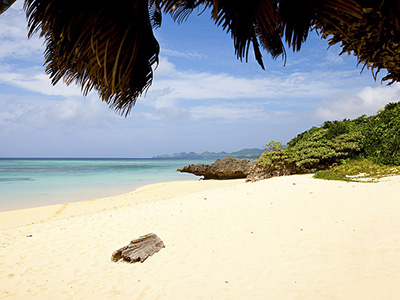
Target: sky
202,98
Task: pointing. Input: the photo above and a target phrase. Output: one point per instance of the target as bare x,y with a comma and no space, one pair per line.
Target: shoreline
157,192
77,194
291,237
80,195
42,182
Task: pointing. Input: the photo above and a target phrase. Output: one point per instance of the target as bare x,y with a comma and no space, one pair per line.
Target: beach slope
291,237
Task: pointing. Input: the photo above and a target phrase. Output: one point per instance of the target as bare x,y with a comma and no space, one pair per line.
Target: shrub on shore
375,139
382,135
358,170
273,162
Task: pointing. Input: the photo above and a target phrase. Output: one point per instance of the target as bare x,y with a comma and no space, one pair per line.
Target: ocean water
28,183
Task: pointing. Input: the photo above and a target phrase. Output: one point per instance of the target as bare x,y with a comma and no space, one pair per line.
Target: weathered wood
139,249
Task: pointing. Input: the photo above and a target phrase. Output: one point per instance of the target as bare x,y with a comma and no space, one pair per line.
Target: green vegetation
345,148
382,135
276,157
275,154
358,170
319,148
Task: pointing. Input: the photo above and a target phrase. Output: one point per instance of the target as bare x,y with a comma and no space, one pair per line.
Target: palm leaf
108,48
5,4
111,48
249,23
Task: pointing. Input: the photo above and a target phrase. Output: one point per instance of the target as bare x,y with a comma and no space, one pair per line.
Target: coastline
289,237
151,192
30,182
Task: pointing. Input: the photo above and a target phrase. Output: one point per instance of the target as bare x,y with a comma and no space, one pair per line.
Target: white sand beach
291,237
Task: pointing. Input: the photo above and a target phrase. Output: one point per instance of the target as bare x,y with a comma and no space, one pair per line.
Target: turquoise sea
35,182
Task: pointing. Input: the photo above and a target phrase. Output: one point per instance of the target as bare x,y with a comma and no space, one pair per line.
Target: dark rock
259,172
226,168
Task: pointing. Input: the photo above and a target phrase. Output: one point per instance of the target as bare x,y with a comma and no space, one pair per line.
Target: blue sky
202,97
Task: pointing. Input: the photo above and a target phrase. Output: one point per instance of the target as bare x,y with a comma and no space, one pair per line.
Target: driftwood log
139,249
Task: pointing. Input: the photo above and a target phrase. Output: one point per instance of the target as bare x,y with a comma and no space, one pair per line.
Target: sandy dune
284,238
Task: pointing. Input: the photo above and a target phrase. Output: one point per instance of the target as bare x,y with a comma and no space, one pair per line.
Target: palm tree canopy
5,4
111,47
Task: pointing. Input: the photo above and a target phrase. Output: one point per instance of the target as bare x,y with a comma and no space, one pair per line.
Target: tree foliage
111,48
275,155
374,38
376,138
319,149
382,135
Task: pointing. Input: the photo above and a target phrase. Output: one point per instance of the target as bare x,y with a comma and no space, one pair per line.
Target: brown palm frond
155,14
110,48
5,4
374,37
267,28
296,19
181,10
249,23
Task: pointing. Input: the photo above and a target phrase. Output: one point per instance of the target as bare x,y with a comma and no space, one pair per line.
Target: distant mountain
245,153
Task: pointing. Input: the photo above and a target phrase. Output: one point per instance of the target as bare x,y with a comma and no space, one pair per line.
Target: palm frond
109,48
296,19
249,23
155,14
370,30
5,4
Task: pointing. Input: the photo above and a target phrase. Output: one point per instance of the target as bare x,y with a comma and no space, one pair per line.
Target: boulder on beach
225,168
258,171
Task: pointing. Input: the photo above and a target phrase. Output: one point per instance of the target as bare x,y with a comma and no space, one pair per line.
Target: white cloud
14,36
35,80
226,111
33,113
368,101
174,112
21,58
176,94
333,58
208,95
181,54
200,86
183,108
165,68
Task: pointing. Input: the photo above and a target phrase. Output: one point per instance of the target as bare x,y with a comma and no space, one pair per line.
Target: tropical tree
110,46
5,4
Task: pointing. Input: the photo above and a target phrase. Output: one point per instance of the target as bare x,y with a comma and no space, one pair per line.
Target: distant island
245,153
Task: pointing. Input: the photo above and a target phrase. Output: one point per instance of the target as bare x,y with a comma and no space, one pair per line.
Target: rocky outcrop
259,172
226,168
231,168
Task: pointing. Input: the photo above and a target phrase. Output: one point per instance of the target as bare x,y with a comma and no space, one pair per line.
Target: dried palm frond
250,23
374,38
297,17
5,4
110,48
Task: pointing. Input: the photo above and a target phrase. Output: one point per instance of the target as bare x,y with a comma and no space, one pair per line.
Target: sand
286,238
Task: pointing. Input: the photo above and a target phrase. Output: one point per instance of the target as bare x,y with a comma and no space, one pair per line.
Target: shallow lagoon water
35,182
